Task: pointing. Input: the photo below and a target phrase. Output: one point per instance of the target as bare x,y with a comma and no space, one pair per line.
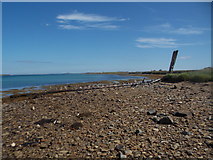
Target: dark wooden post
174,56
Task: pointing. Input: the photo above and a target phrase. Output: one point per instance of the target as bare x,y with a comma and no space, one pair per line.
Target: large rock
165,120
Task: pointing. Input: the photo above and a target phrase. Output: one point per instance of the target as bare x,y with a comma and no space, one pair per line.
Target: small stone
178,114
210,129
155,119
76,125
138,132
186,133
121,155
104,150
119,147
13,144
174,87
176,145
165,120
188,152
43,145
43,121
151,112
207,137
64,152
96,147
33,108
128,152
155,129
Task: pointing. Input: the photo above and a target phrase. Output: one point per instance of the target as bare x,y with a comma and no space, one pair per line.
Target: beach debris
151,112
165,120
179,114
76,125
43,121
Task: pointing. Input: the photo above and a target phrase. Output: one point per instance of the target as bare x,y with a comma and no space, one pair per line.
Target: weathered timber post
174,56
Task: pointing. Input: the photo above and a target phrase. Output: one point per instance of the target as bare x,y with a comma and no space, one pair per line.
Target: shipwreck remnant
174,56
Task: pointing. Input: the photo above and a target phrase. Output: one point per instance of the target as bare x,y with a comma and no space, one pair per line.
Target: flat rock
119,147
179,114
76,125
43,121
165,120
151,112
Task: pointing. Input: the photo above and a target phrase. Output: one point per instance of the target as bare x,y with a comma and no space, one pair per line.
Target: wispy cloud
156,43
184,57
77,20
68,26
168,28
188,31
31,61
160,43
76,16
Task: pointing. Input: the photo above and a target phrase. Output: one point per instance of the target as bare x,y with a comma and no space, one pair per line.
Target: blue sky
95,37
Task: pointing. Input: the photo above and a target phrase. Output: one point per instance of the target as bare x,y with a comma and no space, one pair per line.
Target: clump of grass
203,75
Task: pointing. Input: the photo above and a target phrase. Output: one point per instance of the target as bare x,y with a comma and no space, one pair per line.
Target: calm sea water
23,81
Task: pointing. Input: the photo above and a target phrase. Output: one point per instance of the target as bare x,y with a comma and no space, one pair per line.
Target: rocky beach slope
160,120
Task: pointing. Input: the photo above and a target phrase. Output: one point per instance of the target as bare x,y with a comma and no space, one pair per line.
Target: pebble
151,112
179,114
13,144
155,129
119,147
165,120
128,152
121,155
138,132
76,125
186,133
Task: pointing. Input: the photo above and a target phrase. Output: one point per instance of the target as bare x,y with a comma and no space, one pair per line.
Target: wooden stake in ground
174,56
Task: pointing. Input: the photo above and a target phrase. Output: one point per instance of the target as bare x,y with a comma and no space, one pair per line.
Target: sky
72,37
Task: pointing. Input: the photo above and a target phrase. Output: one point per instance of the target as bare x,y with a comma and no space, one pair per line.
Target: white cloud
156,43
168,28
70,27
187,30
76,16
97,26
160,43
184,57
77,20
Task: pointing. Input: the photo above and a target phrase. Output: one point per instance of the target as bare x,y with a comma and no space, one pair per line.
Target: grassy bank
203,75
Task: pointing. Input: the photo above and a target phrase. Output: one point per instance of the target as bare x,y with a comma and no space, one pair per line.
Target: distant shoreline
117,73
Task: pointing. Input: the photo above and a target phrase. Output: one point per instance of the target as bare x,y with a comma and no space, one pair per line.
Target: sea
25,81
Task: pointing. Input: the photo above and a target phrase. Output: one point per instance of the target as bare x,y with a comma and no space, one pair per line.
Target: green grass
204,75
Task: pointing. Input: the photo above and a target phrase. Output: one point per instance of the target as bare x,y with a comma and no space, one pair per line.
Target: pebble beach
138,120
